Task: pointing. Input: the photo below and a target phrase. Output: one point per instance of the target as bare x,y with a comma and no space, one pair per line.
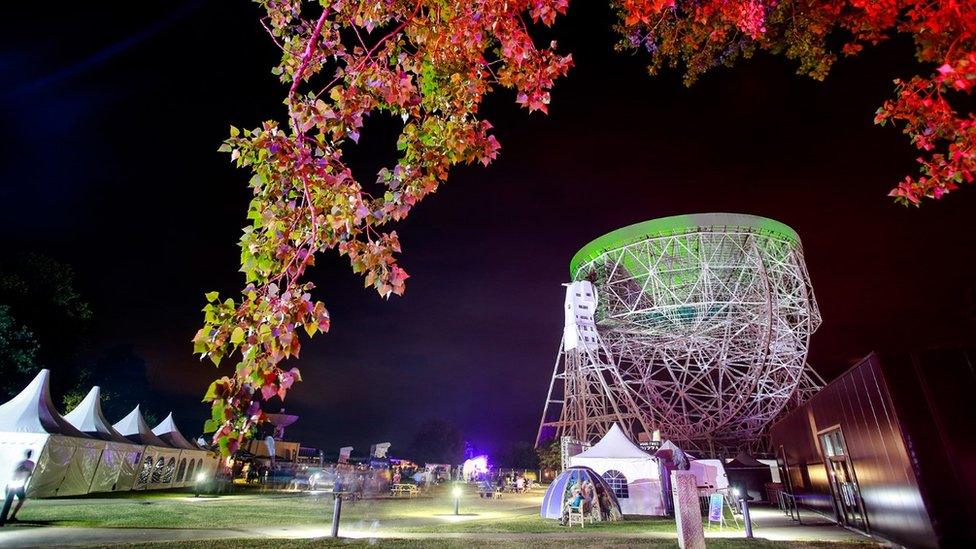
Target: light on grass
457,498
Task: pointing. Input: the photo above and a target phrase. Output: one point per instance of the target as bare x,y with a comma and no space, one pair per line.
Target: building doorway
843,482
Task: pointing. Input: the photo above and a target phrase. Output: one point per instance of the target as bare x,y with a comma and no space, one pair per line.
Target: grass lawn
512,522
514,513
536,541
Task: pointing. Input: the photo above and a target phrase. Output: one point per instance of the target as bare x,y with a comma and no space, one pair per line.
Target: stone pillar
687,513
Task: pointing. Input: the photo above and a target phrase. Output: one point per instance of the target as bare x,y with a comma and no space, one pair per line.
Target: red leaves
709,33
547,10
947,137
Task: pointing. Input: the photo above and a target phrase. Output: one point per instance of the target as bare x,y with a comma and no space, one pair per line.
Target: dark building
889,448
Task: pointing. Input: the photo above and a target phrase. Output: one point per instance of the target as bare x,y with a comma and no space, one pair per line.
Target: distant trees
437,441
518,455
43,321
549,455
121,374
18,351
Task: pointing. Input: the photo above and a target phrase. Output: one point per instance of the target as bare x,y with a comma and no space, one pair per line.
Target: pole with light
456,491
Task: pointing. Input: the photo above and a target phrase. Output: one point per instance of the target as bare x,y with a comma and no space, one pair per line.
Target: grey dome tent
561,489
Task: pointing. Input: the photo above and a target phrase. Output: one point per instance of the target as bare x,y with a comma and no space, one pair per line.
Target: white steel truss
703,333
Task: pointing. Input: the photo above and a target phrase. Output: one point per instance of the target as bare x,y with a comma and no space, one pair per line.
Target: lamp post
744,505
336,513
198,485
457,498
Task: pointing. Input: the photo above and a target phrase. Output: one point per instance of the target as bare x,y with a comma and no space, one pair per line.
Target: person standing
17,487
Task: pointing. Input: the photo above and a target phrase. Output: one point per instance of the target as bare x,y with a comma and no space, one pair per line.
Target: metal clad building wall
934,393
860,404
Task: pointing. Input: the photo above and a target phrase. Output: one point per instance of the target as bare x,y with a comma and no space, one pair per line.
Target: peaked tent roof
88,418
167,431
745,461
33,411
614,444
134,428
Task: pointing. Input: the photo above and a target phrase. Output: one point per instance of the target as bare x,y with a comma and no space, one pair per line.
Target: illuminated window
169,470
157,474
147,466
617,482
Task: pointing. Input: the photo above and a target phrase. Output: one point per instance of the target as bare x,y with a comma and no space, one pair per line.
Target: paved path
768,523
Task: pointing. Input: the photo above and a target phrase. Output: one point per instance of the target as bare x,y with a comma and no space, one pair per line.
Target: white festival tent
193,461
633,474
709,475
82,453
65,457
119,461
158,459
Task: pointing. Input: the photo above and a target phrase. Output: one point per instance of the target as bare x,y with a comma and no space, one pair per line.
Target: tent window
168,471
617,482
181,470
146,470
157,474
189,470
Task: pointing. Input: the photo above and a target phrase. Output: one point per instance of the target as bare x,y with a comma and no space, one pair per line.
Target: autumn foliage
704,34
431,63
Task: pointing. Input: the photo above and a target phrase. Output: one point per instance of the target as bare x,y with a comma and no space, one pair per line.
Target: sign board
379,450
344,454
715,502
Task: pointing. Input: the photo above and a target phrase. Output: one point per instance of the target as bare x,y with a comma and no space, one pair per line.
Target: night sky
110,119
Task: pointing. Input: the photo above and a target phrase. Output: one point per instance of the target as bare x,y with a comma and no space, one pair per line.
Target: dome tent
561,489
119,461
633,474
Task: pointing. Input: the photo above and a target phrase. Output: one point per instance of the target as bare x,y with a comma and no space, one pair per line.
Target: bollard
745,515
336,512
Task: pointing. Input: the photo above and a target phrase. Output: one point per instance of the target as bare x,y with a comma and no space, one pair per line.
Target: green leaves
430,65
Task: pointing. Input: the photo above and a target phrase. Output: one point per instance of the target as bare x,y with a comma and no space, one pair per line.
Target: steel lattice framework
703,325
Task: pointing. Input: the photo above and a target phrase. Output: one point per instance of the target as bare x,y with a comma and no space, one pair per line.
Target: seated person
573,504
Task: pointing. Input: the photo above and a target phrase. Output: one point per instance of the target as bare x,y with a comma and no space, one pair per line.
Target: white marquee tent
119,460
192,461
158,459
709,474
65,457
82,453
631,472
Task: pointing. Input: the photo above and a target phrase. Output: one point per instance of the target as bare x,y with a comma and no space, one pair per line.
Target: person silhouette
17,487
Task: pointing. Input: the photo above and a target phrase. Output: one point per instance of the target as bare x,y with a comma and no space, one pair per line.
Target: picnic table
410,490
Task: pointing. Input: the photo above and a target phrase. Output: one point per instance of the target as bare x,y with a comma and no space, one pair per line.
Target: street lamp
457,498
198,485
